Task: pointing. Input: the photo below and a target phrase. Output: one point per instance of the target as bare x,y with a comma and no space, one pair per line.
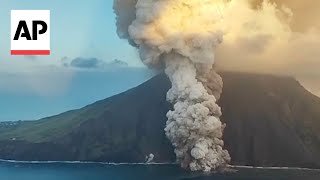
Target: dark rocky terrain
271,121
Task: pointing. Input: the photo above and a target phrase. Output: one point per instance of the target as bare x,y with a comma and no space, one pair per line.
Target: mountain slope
271,121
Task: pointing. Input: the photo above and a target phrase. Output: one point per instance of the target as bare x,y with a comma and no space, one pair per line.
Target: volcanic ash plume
193,126
181,36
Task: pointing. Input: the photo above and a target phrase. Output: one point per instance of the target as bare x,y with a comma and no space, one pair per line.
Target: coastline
152,163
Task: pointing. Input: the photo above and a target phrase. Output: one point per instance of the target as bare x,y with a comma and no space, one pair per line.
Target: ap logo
30,32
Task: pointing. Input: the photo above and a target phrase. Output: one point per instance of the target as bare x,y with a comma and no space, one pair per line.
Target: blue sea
99,171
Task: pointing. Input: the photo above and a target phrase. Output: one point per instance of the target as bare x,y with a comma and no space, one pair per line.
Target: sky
89,62
75,26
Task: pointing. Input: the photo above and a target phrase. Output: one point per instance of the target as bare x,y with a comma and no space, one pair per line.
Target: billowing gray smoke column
181,36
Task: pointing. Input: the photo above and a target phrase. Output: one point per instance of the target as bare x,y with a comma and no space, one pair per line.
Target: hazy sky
33,87
78,28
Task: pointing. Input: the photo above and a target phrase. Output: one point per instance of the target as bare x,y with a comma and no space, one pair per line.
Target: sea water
100,171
